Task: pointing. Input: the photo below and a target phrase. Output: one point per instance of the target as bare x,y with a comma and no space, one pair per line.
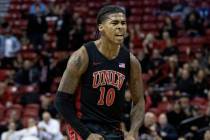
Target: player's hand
95,136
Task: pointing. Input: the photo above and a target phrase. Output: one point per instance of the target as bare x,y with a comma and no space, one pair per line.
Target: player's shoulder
82,52
134,59
89,44
78,60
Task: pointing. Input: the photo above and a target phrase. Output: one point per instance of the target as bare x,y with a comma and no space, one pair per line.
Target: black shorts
107,132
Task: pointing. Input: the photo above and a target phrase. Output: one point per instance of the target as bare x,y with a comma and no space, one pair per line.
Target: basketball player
101,69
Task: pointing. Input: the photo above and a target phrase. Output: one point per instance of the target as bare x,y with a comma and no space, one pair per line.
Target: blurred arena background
171,39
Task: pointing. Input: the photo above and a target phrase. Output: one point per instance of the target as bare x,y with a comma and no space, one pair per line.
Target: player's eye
123,23
114,23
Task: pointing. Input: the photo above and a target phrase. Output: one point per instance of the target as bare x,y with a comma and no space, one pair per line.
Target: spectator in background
207,135
176,115
148,43
200,85
184,81
169,49
47,105
170,70
77,34
179,7
204,10
187,108
1,46
166,5
15,117
188,8
194,66
30,97
195,125
207,68
63,26
149,129
32,132
24,40
205,55
37,4
29,133
193,24
58,66
52,11
43,64
156,62
50,126
36,29
136,37
145,61
169,26
18,62
11,133
27,74
166,130
156,58
10,46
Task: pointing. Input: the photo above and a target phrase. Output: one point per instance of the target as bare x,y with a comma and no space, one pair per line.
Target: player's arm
137,94
65,98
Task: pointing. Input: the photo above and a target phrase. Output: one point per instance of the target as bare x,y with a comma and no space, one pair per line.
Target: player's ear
100,27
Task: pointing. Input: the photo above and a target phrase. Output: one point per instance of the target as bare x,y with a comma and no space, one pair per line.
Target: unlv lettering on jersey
108,77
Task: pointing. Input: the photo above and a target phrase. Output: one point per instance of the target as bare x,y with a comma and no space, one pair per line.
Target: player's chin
119,41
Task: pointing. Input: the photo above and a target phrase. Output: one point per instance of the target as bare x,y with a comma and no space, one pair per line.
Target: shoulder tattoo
76,61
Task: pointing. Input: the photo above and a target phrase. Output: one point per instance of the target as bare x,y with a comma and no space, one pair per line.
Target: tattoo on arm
76,61
77,64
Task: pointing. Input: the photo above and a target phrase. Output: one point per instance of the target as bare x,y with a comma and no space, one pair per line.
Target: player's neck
108,49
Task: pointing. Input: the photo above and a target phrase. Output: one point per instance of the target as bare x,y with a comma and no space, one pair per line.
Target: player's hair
107,10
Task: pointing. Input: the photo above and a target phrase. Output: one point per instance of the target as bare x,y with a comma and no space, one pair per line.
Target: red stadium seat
198,41
12,94
23,24
149,26
136,11
149,19
4,74
184,48
148,10
31,110
133,3
27,89
184,41
28,55
183,58
32,106
134,19
14,8
199,101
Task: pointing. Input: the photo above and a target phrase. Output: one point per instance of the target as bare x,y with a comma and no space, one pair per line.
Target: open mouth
119,35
